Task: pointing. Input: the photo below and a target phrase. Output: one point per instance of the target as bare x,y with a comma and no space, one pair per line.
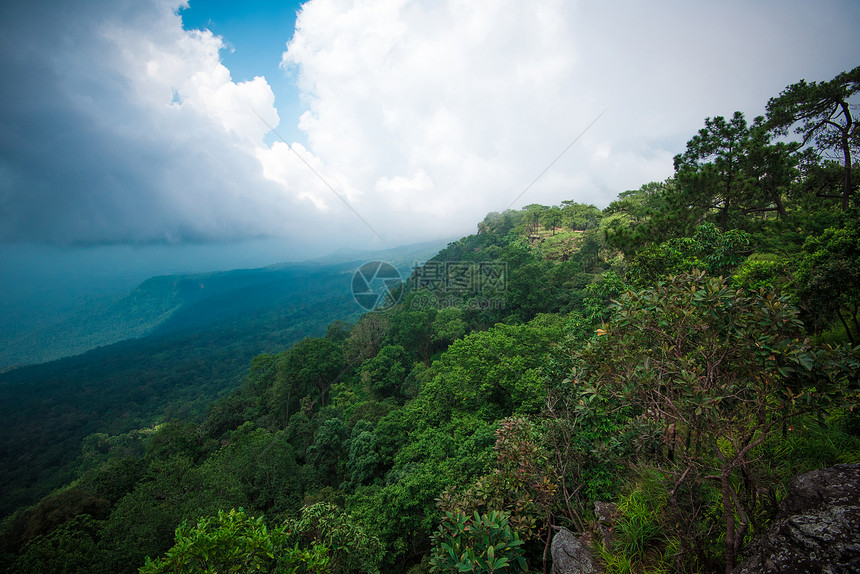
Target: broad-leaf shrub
481,543
236,543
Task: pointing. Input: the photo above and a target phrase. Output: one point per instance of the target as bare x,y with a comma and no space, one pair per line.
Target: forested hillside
201,331
683,353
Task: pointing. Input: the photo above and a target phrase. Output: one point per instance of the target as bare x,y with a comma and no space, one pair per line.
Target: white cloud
442,111
423,115
287,167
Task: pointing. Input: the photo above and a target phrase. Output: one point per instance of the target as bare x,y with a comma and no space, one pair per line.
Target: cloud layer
117,125
120,126
441,111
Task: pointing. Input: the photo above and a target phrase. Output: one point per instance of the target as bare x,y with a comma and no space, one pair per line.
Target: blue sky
254,32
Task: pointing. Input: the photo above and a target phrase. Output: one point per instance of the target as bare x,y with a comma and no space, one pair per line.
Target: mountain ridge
155,300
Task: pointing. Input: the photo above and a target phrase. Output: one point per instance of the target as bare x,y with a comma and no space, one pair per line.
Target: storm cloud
118,125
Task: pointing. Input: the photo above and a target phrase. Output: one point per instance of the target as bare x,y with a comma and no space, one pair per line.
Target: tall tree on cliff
822,114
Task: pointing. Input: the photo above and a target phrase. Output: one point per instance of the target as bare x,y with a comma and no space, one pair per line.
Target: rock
607,514
817,528
570,556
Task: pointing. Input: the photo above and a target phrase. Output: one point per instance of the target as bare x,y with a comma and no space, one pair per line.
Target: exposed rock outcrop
570,556
817,528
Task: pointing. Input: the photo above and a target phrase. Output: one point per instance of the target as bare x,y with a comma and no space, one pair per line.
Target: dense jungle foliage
683,353
207,329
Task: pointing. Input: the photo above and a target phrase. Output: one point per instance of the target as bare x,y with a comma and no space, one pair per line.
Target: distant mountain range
96,321
166,349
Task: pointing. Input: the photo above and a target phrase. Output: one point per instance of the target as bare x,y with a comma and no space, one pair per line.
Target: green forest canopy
683,352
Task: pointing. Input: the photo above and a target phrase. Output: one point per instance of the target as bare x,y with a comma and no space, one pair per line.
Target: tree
76,546
710,172
493,373
350,546
256,469
822,113
365,338
310,364
736,169
641,204
142,523
338,331
551,218
447,327
328,452
718,370
771,169
532,217
829,279
385,373
235,543
522,483
363,454
500,224
709,250
579,216
412,330
648,214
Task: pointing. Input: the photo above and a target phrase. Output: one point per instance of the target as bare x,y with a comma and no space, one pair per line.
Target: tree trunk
729,516
846,152
321,387
856,322
780,208
289,399
847,329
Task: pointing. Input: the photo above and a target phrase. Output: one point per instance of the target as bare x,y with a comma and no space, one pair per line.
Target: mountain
193,337
51,319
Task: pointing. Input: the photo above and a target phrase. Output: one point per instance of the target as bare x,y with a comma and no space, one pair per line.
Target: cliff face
817,528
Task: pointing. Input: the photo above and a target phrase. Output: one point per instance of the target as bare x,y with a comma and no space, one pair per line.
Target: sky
206,125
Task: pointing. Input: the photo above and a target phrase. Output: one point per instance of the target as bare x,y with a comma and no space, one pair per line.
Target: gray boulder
570,556
817,528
